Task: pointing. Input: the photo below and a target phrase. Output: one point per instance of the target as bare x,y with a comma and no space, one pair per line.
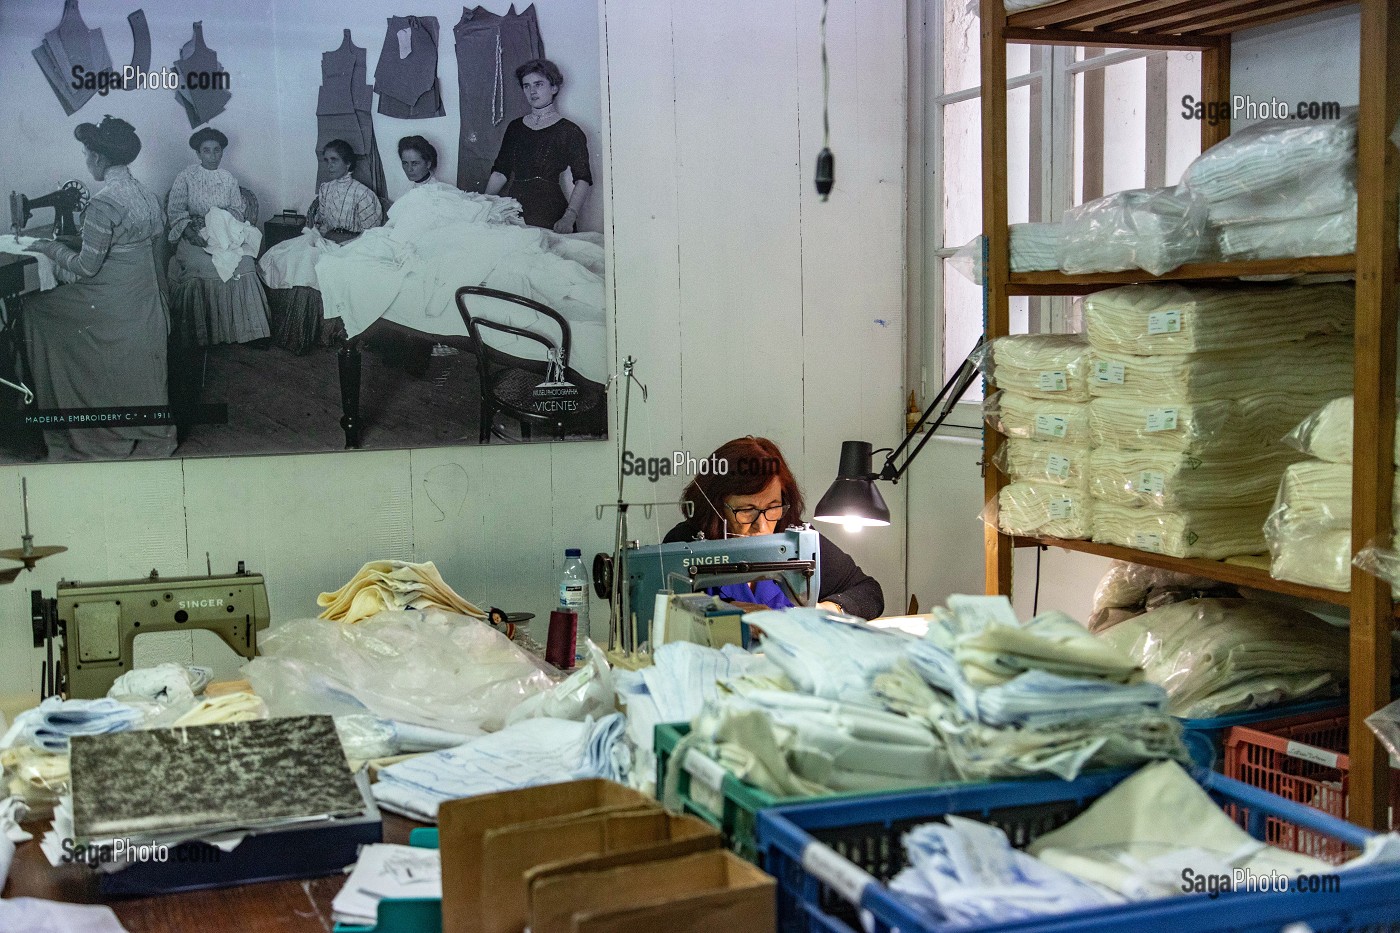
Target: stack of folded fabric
1034,247
1281,188
384,585
1042,408
1309,528
1154,229
1012,698
1218,656
1187,414
1128,590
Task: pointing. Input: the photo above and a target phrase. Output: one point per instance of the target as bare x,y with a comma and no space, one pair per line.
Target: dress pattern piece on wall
201,104
72,45
343,112
489,49
406,77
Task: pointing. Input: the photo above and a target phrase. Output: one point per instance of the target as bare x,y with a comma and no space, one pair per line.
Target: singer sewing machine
70,198
789,558
99,621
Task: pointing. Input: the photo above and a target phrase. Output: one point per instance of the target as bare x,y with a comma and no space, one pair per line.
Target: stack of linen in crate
1309,529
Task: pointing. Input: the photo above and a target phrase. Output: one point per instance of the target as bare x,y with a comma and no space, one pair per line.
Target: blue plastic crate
409,914
1205,738
861,849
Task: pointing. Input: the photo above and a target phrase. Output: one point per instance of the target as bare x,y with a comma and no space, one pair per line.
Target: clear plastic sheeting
1034,248
1016,415
1327,361
1385,723
1176,480
1382,562
1327,433
1309,527
1044,509
1212,534
430,668
1153,229
1129,590
1277,169
1331,234
1218,656
1048,366
1026,460
1152,319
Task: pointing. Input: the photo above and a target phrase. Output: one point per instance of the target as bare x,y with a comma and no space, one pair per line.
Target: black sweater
843,582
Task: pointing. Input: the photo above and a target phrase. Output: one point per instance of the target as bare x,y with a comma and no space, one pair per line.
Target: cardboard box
463,824
513,855
707,891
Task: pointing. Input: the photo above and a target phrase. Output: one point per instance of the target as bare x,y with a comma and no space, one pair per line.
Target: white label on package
1106,373
1057,466
1152,482
847,878
1052,382
1161,419
1311,753
1147,541
1164,322
705,769
1051,425
1061,508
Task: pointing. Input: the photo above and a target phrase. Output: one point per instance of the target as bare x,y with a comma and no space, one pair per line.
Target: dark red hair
762,460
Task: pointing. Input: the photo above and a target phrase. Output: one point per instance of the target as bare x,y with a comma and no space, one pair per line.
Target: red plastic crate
1303,759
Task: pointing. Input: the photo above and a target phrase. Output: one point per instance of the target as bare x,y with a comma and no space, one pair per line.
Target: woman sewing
100,342
535,151
749,490
209,309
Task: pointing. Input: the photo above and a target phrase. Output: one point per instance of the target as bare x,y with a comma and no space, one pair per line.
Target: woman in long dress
100,341
207,309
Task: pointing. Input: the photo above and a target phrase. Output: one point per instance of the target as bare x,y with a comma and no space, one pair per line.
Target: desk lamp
853,500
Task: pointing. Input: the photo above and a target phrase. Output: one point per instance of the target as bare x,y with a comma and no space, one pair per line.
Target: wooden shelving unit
1207,27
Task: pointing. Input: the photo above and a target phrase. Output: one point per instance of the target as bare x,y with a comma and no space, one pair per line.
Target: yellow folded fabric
393,584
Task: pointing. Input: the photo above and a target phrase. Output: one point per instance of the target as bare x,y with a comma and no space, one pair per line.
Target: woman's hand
43,247
830,606
566,223
192,235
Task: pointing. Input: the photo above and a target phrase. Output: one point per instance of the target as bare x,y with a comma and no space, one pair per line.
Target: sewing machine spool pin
27,553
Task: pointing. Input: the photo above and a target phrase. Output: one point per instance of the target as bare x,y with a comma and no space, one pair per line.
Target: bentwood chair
518,387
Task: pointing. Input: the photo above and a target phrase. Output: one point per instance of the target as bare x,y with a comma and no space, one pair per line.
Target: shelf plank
1238,574
1035,283
1153,20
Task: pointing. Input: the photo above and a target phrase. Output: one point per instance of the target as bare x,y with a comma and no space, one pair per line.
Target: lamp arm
943,404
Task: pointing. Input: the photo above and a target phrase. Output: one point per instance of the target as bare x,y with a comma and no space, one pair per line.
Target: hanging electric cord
1035,599
826,163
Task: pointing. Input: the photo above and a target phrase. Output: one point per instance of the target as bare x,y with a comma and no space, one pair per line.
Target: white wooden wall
751,307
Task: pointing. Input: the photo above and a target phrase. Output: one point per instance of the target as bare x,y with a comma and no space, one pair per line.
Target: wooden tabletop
302,906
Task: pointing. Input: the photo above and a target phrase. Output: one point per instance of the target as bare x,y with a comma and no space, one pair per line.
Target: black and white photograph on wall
295,226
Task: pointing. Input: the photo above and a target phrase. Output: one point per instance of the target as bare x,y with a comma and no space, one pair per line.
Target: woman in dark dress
535,151
755,493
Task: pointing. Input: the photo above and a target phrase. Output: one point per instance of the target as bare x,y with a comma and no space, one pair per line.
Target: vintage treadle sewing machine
98,622
789,558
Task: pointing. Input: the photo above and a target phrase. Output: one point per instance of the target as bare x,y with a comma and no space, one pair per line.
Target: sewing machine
789,558
70,198
99,621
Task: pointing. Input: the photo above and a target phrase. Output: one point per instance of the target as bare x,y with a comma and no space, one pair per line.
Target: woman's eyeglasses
749,513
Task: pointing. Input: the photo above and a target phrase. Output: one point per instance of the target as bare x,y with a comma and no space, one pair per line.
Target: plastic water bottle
573,596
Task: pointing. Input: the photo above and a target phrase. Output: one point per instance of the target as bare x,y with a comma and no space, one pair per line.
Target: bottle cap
572,552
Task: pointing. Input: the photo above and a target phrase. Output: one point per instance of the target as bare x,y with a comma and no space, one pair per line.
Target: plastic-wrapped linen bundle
1324,362
1217,656
1128,590
1172,479
1152,319
1016,415
1244,425
1049,366
1042,462
1154,229
1045,509
1327,434
1213,534
1033,249
1278,169
1309,528
1332,234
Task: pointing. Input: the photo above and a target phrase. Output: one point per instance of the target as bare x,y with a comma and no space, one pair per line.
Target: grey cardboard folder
463,826
706,891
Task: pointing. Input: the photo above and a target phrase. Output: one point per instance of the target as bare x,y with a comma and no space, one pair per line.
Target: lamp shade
853,500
